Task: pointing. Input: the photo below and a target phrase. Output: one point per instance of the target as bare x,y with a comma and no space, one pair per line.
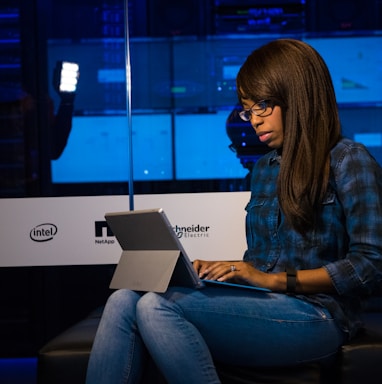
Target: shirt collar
274,156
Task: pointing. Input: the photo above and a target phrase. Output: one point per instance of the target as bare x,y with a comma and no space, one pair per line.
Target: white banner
72,230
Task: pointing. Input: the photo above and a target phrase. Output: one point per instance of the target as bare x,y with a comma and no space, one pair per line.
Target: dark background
39,302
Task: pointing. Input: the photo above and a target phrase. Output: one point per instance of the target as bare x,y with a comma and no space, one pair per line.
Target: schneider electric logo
43,232
192,231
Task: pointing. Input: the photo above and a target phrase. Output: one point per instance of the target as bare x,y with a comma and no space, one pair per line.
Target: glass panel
186,134
95,156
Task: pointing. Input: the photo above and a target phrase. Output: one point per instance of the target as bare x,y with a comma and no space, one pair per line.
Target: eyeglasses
261,108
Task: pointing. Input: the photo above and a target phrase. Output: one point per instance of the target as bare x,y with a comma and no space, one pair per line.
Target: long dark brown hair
295,77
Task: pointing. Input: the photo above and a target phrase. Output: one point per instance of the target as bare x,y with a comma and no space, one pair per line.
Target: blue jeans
184,330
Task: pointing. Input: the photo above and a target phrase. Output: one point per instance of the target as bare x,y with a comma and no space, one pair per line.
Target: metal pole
128,109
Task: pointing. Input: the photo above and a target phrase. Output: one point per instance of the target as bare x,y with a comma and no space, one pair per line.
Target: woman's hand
307,281
234,271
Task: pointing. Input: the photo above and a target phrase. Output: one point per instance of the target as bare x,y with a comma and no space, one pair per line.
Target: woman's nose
255,121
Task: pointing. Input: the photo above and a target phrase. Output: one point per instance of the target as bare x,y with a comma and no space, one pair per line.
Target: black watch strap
291,280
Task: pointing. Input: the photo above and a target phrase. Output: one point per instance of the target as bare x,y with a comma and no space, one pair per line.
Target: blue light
18,370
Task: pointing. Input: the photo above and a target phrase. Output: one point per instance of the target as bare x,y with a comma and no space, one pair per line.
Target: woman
315,211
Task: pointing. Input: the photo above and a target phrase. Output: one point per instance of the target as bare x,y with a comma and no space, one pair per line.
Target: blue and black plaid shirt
347,241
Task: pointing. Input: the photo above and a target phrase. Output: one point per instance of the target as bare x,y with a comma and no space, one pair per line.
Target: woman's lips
263,137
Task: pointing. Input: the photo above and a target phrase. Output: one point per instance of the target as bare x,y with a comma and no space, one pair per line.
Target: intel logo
43,232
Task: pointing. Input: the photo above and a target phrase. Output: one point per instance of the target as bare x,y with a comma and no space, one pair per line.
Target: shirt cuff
343,275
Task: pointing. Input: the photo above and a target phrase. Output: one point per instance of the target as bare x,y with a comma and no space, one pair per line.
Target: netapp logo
192,231
43,232
103,233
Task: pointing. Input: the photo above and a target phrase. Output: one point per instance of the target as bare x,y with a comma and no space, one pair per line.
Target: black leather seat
64,360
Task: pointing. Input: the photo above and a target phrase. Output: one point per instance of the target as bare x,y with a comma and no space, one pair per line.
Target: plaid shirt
347,240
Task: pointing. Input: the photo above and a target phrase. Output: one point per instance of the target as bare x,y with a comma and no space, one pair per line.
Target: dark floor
18,371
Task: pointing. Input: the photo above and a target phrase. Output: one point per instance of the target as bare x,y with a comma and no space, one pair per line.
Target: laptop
152,255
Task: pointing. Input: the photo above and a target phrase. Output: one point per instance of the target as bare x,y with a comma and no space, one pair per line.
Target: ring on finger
233,268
